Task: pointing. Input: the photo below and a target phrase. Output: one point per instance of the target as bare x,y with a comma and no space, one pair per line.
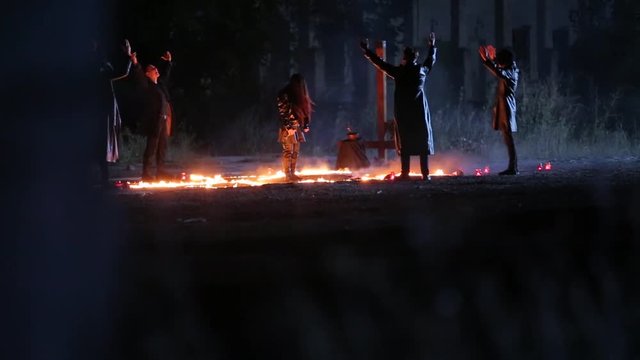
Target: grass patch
552,124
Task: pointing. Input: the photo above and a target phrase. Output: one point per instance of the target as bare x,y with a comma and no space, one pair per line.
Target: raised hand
134,58
482,51
432,39
166,56
491,52
126,47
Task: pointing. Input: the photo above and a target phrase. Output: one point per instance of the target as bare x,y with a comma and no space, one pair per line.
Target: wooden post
381,99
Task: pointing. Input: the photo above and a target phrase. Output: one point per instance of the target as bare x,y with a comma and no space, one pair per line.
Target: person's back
410,80
413,135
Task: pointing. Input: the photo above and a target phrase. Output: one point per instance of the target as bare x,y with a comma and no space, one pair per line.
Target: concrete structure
323,45
539,32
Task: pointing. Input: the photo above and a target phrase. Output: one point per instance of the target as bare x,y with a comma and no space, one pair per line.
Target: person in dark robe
294,109
156,115
411,111
352,153
107,111
503,66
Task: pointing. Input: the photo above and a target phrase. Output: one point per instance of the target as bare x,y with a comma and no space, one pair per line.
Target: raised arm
137,73
488,57
123,71
165,68
382,65
431,55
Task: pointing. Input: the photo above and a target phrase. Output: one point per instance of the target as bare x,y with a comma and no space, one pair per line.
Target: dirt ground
540,265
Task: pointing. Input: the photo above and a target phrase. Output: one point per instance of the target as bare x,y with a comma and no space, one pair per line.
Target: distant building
538,31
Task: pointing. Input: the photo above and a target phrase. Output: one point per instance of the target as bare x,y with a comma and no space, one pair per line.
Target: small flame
545,167
482,171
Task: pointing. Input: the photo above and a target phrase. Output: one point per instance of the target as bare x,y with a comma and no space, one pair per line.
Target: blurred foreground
541,265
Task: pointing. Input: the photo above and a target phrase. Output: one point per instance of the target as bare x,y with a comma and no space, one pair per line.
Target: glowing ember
482,172
391,176
544,167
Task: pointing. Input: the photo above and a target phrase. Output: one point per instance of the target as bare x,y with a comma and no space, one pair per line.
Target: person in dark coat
413,120
106,106
503,66
156,115
294,109
352,153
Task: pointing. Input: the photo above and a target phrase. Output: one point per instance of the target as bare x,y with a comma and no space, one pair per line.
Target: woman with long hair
294,107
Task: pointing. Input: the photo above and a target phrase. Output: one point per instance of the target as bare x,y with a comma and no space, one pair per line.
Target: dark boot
405,166
146,175
292,173
286,165
149,153
162,174
424,167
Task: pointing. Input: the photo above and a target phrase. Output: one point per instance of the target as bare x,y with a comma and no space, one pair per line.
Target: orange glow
312,175
483,171
544,167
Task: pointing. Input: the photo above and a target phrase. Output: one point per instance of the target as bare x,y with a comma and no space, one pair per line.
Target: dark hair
504,57
409,53
301,100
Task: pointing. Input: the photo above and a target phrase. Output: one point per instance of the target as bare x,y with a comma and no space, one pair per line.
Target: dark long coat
107,108
411,109
150,99
504,107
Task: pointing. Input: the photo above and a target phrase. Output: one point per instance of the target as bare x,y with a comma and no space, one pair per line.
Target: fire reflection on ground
188,181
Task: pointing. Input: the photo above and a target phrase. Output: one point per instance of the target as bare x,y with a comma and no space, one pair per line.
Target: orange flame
313,175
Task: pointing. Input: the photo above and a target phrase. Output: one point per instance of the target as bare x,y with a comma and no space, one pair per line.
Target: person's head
298,88
504,58
409,55
352,134
298,83
151,72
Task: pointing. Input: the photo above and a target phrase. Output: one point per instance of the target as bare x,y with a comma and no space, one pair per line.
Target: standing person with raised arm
156,114
503,66
107,112
411,109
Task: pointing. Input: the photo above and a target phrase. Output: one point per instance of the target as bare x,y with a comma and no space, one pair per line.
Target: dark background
231,58
61,239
